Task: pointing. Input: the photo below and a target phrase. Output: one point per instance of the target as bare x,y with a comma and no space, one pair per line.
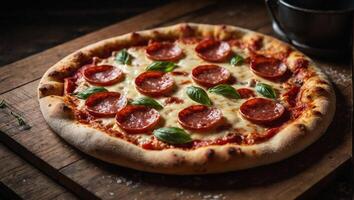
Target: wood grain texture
292,178
26,181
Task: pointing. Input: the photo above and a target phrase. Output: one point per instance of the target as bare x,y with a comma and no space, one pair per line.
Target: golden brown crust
210,159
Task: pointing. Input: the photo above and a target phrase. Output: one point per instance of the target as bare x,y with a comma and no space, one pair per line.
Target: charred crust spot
254,152
308,97
321,82
321,91
210,153
65,108
302,127
187,31
232,151
135,35
45,88
54,74
317,113
138,39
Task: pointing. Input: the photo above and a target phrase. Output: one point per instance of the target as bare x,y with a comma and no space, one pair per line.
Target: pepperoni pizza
188,99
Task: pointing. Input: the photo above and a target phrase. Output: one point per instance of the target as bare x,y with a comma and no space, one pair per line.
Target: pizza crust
210,159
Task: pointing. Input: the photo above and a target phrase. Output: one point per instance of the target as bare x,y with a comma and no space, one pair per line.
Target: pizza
188,99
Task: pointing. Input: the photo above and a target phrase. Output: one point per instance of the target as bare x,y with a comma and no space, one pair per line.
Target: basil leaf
236,60
265,90
123,57
197,94
172,135
161,66
225,90
86,93
146,101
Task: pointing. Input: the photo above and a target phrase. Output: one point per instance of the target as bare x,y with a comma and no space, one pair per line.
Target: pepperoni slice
154,83
137,119
105,104
69,85
200,118
261,110
80,71
246,93
210,75
267,67
103,75
213,50
164,51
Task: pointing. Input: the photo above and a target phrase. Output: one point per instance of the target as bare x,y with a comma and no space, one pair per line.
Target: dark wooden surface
299,176
26,181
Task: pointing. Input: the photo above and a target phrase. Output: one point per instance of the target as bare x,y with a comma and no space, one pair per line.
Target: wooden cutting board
297,177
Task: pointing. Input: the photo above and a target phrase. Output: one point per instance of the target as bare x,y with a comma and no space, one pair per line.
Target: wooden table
88,178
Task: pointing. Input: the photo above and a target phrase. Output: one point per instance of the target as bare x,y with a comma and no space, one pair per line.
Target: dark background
28,28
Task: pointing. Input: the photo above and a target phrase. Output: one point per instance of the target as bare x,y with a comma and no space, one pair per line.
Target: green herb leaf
197,94
123,57
172,135
86,93
225,90
20,120
236,60
265,90
3,104
146,101
161,66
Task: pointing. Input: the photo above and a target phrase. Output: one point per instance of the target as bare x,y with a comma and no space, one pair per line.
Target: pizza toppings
172,135
261,110
198,95
103,75
159,79
210,75
105,104
200,118
225,90
266,90
163,51
161,66
213,50
269,68
147,101
123,57
154,83
69,85
89,91
291,95
175,100
137,119
245,93
236,60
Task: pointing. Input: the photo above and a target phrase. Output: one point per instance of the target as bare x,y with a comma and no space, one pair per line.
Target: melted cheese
229,107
